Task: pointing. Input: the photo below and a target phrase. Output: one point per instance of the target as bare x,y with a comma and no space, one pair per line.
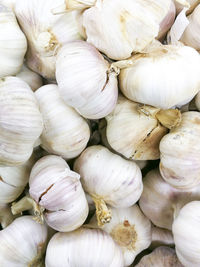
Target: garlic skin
180,156
31,78
133,134
13,43
65,132
57,189
162,257
26,240
130,229
191,35
109,25
45,33
190,4
6,217
8,3
180,63
85,80
108,179
162,210
94,247
161,237
21,122
186,236
197,101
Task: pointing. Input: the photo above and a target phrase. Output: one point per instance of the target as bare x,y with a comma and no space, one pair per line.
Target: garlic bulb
12,43
6,217
21,122
45,32
175,70
112,25
31,78
134,134
191,35
180,153
65,132
130,229
186,236
161,237
22,243
83,247
162,210
162,257
86,81
56,194
108,178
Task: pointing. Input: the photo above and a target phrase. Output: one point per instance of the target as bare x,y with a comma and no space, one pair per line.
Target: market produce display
99,133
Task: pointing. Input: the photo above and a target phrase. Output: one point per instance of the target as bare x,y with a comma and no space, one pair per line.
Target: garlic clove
83,247
130,229
65,132
161,237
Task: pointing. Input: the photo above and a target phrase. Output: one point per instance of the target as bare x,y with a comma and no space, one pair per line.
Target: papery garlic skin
31,78
26,240
112,25
45,32
133,134
186,234
21,122
65,132
162,257
6,217
58,190
161,237
130,229
191,35
162,210
180,156
13,43
85,80
83,247
175,70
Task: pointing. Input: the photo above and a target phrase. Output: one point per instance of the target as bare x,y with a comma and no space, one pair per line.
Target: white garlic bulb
45,33
160,257
191,35
85,79
180,152
22,243
65,132
57,193
6,217
175,70
161,237
162,210
33,79
108,178
186,236
83,247
112,25
12,43
21,122
130,229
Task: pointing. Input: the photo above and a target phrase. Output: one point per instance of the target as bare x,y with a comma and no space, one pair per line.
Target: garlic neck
38,260
47,43
102,212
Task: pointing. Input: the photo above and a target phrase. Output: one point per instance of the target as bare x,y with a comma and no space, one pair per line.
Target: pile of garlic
99,133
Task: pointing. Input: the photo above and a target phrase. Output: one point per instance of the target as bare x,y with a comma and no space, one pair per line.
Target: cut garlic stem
102,212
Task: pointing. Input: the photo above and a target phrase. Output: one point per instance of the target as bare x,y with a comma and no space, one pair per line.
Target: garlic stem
102,212
27,203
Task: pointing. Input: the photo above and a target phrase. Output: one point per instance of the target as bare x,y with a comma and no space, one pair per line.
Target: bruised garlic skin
162,210
65,132
23,243
13,43
6,217
86,81
191,35
83,247
180,153
45,33
161,237
180,63
162,257
186,234
108,179
21,122
133,134
58,190
31,78
130,229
